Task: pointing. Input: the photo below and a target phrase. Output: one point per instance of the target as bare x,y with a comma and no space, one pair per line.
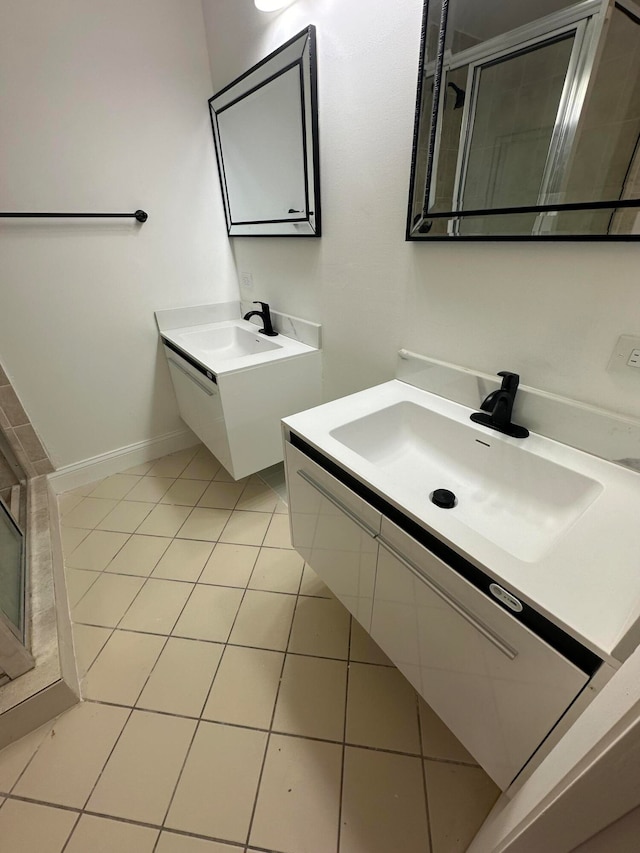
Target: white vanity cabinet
498,686
335,531
236,411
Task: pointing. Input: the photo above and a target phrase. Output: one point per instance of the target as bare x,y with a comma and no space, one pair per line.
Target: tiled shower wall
20,434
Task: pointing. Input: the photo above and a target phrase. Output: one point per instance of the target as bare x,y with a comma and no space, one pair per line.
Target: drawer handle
460,610
192,378
338,504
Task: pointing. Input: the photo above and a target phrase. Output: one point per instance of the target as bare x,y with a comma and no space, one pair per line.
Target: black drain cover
443,498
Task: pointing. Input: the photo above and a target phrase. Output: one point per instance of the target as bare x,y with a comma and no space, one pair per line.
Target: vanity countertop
232,345
571,551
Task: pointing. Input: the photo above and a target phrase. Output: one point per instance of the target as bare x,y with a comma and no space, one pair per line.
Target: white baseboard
88,470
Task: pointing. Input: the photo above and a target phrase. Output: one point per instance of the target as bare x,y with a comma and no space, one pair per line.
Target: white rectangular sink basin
517,499
232,345
229,341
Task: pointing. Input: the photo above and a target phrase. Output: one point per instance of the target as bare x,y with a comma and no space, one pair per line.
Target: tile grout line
137,532
128,821
273,713
213,542
179,777
423,775
344,735
73,829
285,733
111,751
97,574
35,752
237,645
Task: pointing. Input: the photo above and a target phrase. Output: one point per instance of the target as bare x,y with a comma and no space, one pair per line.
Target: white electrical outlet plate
626,354
634,358
246,281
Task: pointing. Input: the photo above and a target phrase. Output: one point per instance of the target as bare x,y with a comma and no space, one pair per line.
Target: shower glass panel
516,101
11,572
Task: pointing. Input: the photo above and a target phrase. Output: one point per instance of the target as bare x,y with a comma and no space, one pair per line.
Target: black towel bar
140,215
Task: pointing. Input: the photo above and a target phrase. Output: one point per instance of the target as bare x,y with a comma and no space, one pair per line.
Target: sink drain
443,498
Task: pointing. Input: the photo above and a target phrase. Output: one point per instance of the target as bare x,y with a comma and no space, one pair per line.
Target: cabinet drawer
199,405
334,530
498,686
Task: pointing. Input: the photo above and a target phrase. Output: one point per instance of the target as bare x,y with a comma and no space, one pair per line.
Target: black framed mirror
527,121
265,129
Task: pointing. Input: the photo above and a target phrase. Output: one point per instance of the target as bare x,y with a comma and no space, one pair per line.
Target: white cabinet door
334,530
496,685
200,406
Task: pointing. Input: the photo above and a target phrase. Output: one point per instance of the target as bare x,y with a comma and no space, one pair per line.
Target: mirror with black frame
527,121
265,129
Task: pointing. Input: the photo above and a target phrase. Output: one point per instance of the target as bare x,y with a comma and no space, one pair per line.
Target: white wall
103,107
551,312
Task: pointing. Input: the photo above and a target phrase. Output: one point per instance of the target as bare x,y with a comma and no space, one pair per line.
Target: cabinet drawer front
200,406
334,530
498,686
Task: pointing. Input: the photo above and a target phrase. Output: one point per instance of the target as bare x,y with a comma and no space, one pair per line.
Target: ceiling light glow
271,5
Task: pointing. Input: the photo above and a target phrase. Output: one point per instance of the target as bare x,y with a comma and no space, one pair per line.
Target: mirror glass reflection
524,106
265,128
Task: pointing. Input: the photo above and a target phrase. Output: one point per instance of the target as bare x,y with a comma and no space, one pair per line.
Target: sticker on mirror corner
505,597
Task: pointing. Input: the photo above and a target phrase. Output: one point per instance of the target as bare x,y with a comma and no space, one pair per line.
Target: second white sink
515,498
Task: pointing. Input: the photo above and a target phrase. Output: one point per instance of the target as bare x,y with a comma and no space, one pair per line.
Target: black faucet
266,319
499,406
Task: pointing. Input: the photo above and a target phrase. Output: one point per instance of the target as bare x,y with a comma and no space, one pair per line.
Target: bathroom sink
232,345
230,341
555,526
517,499
233,384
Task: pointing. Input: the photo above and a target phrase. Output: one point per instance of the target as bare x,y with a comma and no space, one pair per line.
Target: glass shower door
11,573
514,117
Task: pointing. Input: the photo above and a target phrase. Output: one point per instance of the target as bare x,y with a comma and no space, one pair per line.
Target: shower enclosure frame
585,21
589,21
15,659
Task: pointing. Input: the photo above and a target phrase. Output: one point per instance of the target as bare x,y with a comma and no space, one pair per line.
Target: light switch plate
622,360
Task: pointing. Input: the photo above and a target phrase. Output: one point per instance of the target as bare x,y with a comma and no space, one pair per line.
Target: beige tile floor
231,703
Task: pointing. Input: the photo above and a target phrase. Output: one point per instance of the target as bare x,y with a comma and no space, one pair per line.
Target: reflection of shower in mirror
524,126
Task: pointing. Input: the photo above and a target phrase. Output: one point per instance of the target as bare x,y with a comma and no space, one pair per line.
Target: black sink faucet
266,319
499,405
